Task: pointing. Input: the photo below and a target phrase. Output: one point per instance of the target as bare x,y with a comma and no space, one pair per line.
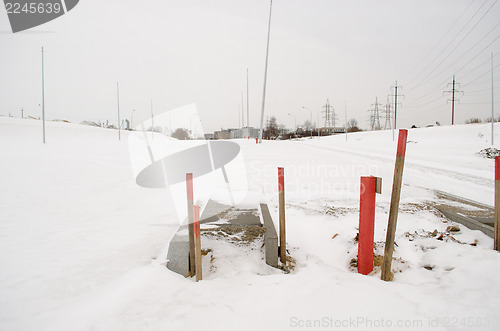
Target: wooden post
281,188
497,203
393,211
197,242
369,186
189,183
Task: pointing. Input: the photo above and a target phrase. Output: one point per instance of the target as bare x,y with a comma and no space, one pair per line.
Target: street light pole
118,108
295,121
311,119
43,100
131,115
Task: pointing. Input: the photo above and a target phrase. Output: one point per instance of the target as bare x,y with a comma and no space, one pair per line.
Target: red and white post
393,211
197,242
281,189
189,187
369,187
497,204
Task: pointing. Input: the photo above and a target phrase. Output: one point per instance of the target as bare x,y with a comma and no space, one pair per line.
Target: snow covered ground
82,247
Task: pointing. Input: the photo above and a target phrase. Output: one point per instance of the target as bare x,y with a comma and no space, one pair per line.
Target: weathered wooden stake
189,184
393,211
197,242
281,188
497,203
369,186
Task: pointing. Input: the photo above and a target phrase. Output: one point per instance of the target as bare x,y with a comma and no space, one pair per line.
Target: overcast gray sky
182,52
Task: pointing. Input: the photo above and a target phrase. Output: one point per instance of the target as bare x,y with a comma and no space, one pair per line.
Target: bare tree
352,125
181,134
272,130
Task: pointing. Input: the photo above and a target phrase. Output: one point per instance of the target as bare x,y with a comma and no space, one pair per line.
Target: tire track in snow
412,166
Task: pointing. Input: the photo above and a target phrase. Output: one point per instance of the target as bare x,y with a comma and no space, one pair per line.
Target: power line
444,49
437,44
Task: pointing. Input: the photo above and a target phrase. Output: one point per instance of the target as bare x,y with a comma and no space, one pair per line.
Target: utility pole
395,107
265,73
453,91
118,104
248,112
43,100
492,105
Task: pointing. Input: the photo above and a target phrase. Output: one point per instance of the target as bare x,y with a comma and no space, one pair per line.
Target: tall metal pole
492,105
311,123
248,112
131,116
243,108
265,74
395,108
318,124
152,119
453,102
43,99
118,103
345,125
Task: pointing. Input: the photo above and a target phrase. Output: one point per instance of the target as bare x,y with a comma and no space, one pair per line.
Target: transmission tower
329,116
375,116
453,91
388,117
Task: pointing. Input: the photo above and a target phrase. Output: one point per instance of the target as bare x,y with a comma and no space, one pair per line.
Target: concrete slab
217,214
468,222
270,237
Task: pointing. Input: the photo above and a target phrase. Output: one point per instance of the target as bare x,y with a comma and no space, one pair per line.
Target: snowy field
82,247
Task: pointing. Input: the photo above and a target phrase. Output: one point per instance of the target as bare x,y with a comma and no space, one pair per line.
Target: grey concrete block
270,237
178,254
468,222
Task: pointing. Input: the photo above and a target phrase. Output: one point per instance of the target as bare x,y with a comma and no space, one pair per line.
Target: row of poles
369,187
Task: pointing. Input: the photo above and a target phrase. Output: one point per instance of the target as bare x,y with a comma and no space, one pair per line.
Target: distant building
245,133
331,131
223,134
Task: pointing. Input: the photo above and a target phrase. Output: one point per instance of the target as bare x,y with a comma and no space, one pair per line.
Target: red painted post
497,204
189,189
366,224
281,189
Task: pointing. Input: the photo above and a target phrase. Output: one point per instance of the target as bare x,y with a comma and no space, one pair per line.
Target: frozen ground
82,247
